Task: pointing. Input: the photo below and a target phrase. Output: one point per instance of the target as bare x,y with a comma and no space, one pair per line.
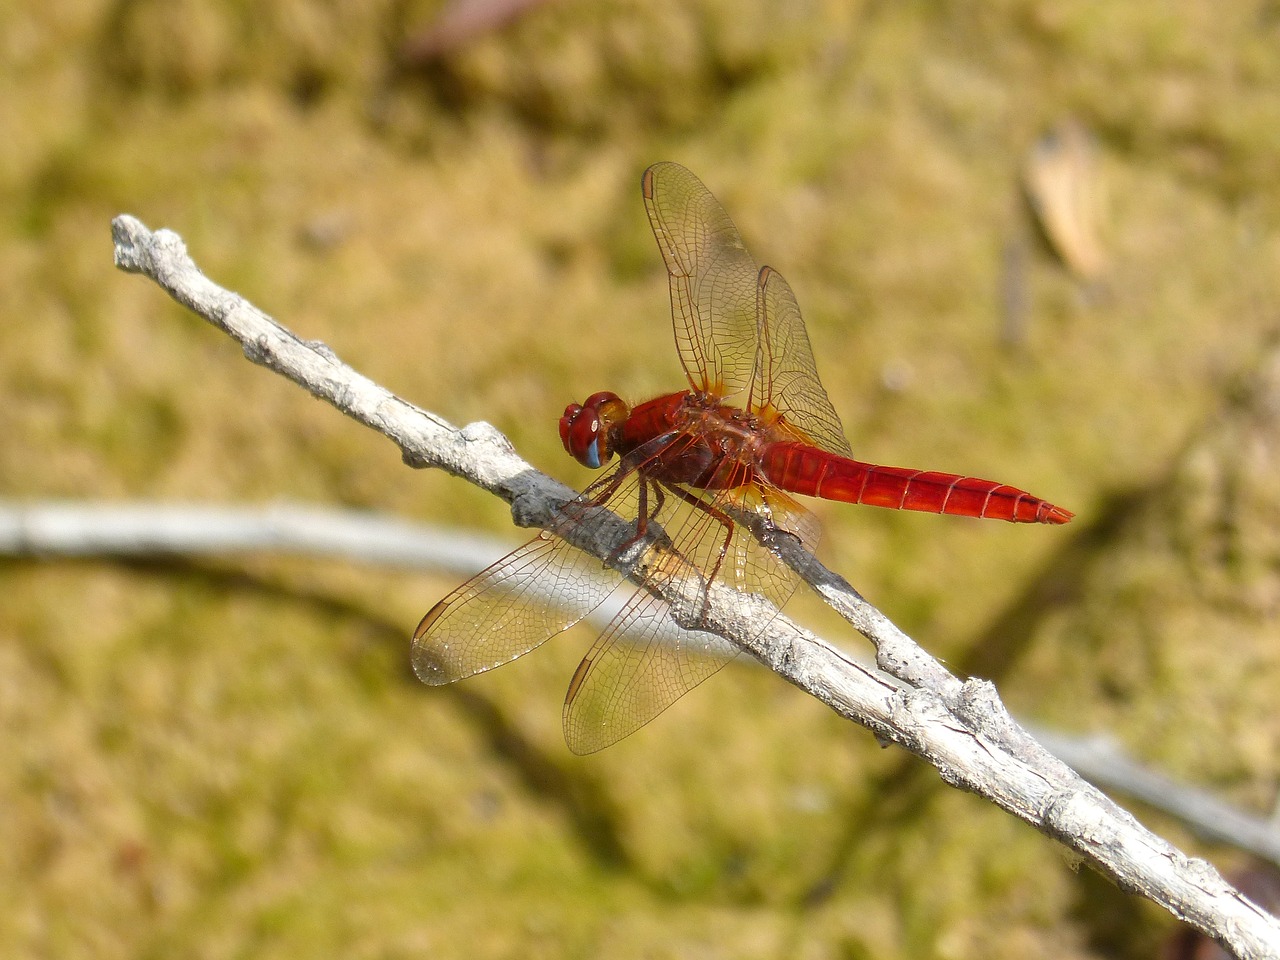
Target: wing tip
428,666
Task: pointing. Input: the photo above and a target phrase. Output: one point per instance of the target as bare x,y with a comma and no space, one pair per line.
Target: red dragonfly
754,426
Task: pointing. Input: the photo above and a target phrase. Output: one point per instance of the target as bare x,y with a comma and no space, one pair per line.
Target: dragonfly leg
720,517
643,514
597,495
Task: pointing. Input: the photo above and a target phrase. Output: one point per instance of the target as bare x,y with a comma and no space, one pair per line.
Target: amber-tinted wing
737,326
527,597
785,377
639,666
644,661
712,278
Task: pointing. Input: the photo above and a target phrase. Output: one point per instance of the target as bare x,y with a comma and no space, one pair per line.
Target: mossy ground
232,760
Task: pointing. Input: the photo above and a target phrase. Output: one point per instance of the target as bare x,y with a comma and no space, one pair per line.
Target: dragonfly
701,477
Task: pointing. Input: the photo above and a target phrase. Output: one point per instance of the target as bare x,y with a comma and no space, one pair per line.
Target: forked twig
960,727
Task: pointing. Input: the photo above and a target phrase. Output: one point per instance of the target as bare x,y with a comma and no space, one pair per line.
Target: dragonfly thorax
732,436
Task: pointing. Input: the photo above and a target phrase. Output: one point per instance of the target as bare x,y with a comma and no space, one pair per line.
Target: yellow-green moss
232,759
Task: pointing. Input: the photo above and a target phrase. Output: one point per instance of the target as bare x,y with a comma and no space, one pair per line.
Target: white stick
961,728
64,528
144,529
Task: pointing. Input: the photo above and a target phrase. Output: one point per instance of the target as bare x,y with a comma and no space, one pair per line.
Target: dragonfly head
584,428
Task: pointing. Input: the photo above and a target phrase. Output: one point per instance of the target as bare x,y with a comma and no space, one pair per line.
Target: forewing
505,611
712,278
785,378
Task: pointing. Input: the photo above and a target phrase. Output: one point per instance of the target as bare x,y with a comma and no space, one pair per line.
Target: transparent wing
737,326
527,597
644,661
785,378
636,669
712,278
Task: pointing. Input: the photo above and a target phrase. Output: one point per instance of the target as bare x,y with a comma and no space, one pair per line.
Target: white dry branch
49,529
960,727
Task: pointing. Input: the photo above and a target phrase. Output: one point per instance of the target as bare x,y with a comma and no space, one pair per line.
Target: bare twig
68,528
63,528
961,728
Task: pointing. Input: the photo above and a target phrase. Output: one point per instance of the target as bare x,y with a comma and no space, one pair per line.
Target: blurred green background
232,759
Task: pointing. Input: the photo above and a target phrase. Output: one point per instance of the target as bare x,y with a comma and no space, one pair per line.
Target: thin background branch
961,728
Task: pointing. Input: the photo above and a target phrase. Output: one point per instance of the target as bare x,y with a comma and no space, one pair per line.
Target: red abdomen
801,468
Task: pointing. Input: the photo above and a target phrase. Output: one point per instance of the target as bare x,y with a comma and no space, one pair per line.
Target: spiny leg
720,517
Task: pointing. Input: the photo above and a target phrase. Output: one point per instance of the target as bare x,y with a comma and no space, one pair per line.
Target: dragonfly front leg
644,514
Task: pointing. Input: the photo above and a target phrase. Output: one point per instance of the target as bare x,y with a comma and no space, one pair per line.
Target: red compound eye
584,428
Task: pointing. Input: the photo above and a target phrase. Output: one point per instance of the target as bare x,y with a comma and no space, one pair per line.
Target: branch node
257,350
415,458
529,508
482,432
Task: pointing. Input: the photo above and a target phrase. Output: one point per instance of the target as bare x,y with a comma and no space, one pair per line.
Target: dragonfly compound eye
580,434
566,423
584,428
